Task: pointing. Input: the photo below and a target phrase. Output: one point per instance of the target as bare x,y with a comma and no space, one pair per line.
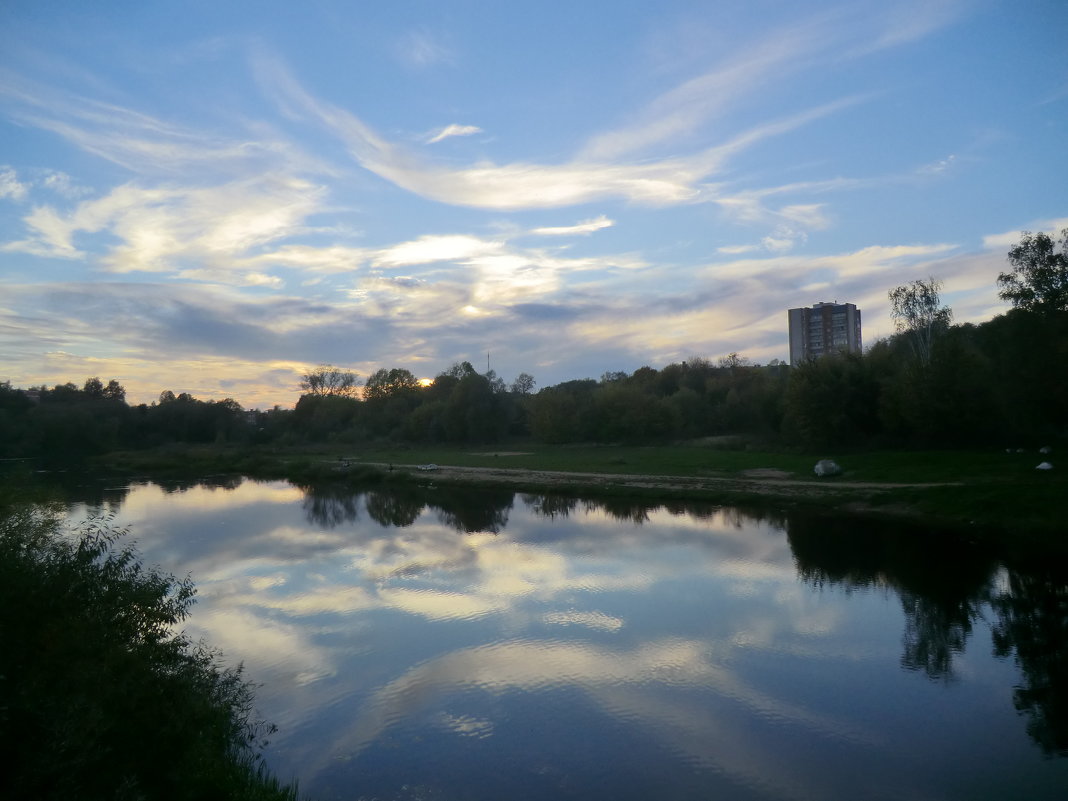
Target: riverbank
990,490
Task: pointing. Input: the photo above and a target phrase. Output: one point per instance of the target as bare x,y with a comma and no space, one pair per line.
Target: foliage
523,384
327,380
1038,281
916,311
389,383
832,400
102,696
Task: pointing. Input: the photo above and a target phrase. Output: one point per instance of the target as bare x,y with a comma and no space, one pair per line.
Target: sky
215,198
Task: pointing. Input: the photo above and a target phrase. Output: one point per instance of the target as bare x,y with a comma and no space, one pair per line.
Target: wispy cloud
582,228
10,185
937,167
528,185
423,48
682,109
1009,238
142,143
452,130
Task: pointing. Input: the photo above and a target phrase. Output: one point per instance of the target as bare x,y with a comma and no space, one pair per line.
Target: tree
732,361
1039,278
329,380
93,389
115,391
915,310
523,384
459,370
389,383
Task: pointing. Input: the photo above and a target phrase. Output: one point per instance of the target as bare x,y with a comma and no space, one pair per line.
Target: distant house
824,328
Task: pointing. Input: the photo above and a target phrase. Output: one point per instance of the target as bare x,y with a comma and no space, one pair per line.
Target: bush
101,697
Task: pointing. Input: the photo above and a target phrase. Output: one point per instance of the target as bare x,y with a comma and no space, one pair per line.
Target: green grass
994,488
696,461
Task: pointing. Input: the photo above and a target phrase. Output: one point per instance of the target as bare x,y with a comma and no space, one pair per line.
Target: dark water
483,645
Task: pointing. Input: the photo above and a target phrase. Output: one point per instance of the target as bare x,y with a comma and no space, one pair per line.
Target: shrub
101,696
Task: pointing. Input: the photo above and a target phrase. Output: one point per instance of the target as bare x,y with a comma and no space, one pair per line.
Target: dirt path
767,482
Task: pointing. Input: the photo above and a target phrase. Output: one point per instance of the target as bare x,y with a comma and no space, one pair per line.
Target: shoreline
998,497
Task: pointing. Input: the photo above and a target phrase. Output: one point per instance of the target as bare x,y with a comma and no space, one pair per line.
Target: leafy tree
832,400
917,313
115,391
523,384
389,383
1039,278
496,383
317,417
94,388
62,393
460,370
327,380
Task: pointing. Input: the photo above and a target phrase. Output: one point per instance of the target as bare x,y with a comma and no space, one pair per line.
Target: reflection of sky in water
575,656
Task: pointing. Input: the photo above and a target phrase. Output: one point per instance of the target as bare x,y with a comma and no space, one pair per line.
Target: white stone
827,467
1044,466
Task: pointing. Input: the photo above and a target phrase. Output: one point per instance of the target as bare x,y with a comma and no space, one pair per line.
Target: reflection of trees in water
223,482
944,583
104,494
550,506
1032,622
942,580
399,507
471,509
935,630
330,505
624,510
465,509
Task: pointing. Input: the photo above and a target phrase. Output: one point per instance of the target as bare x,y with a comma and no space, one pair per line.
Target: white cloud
777,245
529,185
1009,238
10,186
452,130
430,248
584,227
735,250
166,229
63,185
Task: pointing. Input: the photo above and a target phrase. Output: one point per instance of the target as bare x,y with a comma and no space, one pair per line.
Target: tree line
931,384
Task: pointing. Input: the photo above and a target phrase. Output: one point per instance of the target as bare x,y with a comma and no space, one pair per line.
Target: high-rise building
824,328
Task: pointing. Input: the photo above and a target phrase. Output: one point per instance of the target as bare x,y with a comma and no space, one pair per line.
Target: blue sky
214,197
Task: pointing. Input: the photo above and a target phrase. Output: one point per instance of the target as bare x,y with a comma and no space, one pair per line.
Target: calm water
480,645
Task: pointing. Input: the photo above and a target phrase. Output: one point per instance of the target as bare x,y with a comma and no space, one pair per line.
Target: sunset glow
214,199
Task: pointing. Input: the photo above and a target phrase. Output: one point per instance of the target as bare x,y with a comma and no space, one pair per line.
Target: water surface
434,644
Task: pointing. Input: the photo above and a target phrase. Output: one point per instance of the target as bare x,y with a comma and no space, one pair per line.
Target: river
442,643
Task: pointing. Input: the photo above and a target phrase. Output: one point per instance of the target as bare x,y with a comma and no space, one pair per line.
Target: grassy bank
977,488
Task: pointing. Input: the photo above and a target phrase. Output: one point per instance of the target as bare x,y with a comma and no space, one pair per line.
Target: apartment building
824,328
